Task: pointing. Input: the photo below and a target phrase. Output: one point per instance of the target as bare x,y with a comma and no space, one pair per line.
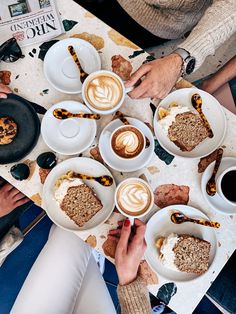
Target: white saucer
161,225
125,165
70,136
60,69
105,194
213,112
216,202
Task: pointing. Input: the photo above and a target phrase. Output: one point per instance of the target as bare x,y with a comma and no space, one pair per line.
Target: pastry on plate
8,130
184,253
183,127
76,199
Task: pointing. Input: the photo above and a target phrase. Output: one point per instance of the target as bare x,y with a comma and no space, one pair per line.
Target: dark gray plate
28,132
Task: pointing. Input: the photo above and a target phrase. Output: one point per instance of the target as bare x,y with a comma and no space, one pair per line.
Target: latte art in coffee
134,198
104,92
127,142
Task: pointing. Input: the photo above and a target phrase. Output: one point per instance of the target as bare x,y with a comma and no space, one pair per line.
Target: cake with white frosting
76,199
184,253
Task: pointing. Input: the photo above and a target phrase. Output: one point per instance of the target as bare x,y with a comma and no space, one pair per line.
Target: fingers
115,232
115,239
18,196
13,192
137,75
124,236
139,91
7,187
22,201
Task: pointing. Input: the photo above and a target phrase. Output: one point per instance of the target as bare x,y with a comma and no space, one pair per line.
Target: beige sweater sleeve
134,298
215,27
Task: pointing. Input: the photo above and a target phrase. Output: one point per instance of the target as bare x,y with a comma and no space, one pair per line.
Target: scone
184,253
8,130
76,199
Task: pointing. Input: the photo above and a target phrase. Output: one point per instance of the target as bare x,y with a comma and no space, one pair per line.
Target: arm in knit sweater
215,27
134,298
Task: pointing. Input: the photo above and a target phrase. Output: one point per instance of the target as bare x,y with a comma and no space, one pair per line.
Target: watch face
191,62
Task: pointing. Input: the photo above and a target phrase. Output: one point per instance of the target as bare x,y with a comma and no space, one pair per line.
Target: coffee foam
134,198
104,92
127,142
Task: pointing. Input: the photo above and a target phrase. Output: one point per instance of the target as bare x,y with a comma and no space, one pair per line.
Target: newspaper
29,21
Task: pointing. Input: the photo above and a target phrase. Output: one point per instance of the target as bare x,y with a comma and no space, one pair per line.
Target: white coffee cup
219,187
139,213
123,127
123,92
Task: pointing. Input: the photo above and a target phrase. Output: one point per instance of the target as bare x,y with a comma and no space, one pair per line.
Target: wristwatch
189,61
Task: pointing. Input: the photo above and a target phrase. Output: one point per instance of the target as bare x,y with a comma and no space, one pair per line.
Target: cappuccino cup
134,198
127,142
104,92
225,185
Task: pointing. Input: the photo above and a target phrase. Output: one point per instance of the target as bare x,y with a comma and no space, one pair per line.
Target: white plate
105,194
70,136
216,202
161,225
213,112
125,165
60,69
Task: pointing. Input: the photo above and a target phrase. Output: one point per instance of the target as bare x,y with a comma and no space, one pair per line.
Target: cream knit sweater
134,298
215,22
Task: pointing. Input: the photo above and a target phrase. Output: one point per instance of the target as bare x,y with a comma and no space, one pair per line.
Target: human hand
160,77
4,90
130,249
10,198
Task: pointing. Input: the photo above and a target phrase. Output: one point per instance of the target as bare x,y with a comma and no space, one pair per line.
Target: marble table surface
28,81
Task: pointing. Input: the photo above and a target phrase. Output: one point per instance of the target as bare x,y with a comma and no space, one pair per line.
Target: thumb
124,236
137,75
3,95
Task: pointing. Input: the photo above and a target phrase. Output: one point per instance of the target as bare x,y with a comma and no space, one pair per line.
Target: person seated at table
148,22
66,279
222,76
11,199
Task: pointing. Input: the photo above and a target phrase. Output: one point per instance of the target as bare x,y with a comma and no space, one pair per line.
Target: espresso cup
134,198
104,92
225,185
127,142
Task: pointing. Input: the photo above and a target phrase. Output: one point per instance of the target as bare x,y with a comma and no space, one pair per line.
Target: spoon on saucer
120,115
197,104
62,114
103,180
211,184
179,218
83,74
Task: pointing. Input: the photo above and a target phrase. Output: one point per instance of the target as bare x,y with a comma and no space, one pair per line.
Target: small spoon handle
83,74
93,116
103,180
197,104
211,184
123,119
207,223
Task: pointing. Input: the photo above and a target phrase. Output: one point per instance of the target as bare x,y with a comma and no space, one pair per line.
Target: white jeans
65,279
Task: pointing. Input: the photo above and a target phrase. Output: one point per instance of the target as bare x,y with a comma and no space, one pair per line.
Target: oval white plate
213,112
161,225
60,69
216,202
105,194
70,136
119,164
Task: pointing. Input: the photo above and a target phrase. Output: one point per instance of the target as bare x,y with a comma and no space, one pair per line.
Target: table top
29,82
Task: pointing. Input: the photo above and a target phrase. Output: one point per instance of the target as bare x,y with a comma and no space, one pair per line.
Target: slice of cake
187,131
76,199
184,253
